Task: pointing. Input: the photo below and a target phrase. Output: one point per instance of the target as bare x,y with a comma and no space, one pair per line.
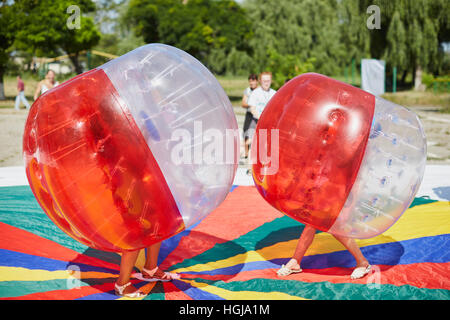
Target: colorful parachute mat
233,254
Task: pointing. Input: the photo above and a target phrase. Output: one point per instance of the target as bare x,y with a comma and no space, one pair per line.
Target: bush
288,66
239,63
427,79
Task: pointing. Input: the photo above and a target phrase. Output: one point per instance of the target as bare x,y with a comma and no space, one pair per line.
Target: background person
21,94
261,95
46,84
249,122
259,99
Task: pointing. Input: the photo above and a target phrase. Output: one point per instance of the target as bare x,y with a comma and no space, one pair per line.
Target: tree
354,34
411,34
286,67
396,50
200,27
7,36
44,29
304,29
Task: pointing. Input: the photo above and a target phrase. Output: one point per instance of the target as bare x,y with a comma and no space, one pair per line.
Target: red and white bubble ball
341,160
118,157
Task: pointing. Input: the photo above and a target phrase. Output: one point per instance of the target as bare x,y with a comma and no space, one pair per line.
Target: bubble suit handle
341,159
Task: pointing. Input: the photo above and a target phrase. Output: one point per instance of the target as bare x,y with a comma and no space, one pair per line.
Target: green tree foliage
354,34
7,36
117,37
42,28
207,29
302,28
411,35
396,50
286,67
239,62
284,36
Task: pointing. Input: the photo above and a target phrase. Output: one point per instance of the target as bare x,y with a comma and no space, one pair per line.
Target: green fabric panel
19,208
421,200
280,229
270,233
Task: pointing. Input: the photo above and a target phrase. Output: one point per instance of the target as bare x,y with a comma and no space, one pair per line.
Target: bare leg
247,146
151,260
303,244
352,247
151,263
126,267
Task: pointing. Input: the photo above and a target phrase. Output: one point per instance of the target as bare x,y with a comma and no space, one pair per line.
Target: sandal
119,290
285,271
157,275
360,272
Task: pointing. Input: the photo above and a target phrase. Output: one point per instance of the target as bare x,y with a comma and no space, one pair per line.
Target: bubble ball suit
101,158
349,163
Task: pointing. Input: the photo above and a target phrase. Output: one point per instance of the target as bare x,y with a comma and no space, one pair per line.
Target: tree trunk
2,88
76,63
418,86
403,79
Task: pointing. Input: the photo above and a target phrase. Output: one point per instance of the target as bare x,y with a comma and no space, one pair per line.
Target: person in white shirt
259,99
261,95
249,122
44,85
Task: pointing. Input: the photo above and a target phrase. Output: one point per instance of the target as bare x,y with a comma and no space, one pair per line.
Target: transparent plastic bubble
117,156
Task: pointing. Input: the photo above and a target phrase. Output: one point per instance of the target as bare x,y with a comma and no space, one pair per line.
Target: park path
436,125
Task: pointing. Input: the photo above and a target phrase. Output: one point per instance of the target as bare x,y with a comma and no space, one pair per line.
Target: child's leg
151,260
151,265
303,244
126,266
352,247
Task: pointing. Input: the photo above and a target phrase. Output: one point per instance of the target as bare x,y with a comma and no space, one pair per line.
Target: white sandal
360,272
156,275
119,291
285,271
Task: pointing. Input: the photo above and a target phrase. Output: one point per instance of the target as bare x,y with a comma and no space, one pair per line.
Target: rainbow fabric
233,253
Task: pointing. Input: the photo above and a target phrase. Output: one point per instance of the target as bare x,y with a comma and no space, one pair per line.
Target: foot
291,267
157,274
360,271
127,290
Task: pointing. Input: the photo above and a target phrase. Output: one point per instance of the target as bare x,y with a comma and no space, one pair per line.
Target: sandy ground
12,124
436,124
437,131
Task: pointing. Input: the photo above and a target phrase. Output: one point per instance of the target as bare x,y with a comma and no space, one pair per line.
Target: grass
426,98
234,87
356,81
